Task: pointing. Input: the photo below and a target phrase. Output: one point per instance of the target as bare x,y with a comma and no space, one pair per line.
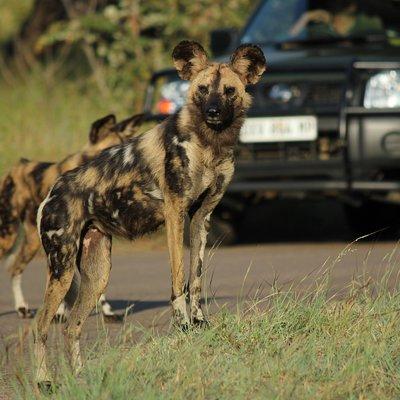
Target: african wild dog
182,165
25,187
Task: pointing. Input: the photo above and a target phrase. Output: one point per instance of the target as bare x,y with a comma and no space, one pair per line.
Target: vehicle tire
222,233
372,216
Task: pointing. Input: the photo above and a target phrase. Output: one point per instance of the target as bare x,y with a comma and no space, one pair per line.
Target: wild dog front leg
198,238
199,227
174,222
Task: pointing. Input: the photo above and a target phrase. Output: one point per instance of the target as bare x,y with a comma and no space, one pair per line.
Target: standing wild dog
25,187
182,165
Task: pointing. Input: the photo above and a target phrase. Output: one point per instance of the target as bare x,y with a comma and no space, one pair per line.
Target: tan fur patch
152,147
90,177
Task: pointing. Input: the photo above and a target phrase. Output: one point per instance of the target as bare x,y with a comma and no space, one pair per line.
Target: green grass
45,120
287,346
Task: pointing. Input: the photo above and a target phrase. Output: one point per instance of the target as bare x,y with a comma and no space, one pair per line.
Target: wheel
372,216
222,233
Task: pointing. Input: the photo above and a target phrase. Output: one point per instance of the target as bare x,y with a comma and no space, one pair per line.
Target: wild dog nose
213,112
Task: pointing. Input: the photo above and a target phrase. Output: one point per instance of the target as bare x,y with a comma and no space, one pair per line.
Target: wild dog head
106,132
217,92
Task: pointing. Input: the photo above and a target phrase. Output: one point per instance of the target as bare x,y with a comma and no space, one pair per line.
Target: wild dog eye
229,91
203,89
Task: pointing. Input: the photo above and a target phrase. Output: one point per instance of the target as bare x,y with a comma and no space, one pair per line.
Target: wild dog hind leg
95,269
56,290
103,305
60,231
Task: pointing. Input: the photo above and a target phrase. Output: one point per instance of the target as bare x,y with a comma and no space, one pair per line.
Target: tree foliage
127,40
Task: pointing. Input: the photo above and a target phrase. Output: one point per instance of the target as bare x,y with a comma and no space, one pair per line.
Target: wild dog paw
184,328
200,323
197,317
25,313
114,318
179,311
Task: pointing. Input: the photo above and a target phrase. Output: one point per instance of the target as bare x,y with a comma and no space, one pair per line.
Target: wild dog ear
249,63
189,59
101,128
129,126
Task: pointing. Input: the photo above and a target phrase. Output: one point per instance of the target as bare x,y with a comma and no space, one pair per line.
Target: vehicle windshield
278,21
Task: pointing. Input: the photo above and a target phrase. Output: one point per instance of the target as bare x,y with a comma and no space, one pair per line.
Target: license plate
279,129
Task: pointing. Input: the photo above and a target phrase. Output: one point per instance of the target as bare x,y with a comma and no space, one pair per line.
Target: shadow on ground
135,306
294,220
121,306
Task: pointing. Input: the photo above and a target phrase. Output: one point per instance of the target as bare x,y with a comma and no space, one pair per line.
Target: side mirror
222,40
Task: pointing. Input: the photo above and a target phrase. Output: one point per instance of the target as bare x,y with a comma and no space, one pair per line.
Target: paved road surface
142,278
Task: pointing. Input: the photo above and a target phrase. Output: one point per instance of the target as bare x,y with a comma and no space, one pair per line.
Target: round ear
101,128
189,59
249,63
129,126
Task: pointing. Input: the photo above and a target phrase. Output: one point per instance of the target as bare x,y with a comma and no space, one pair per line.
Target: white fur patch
156,193
128,155
17,291
57,232
105,306
179,304
113,151
40,211
90,203
61,309
115,214
86,242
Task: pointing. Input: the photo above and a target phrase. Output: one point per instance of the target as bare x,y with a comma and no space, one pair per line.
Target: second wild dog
25,187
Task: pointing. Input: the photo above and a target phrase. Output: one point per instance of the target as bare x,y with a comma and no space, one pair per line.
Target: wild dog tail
9,221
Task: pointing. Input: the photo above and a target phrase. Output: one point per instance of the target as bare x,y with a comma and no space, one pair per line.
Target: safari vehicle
325,118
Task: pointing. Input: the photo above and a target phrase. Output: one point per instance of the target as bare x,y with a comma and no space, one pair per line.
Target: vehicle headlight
173,96
383,90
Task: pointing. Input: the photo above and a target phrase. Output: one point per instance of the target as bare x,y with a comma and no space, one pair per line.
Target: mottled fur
182,165
25,187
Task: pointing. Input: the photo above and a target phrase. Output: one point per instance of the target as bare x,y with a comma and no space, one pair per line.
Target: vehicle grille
323,94
287,97
317,94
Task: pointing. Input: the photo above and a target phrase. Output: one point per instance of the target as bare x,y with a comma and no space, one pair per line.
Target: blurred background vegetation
64,63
